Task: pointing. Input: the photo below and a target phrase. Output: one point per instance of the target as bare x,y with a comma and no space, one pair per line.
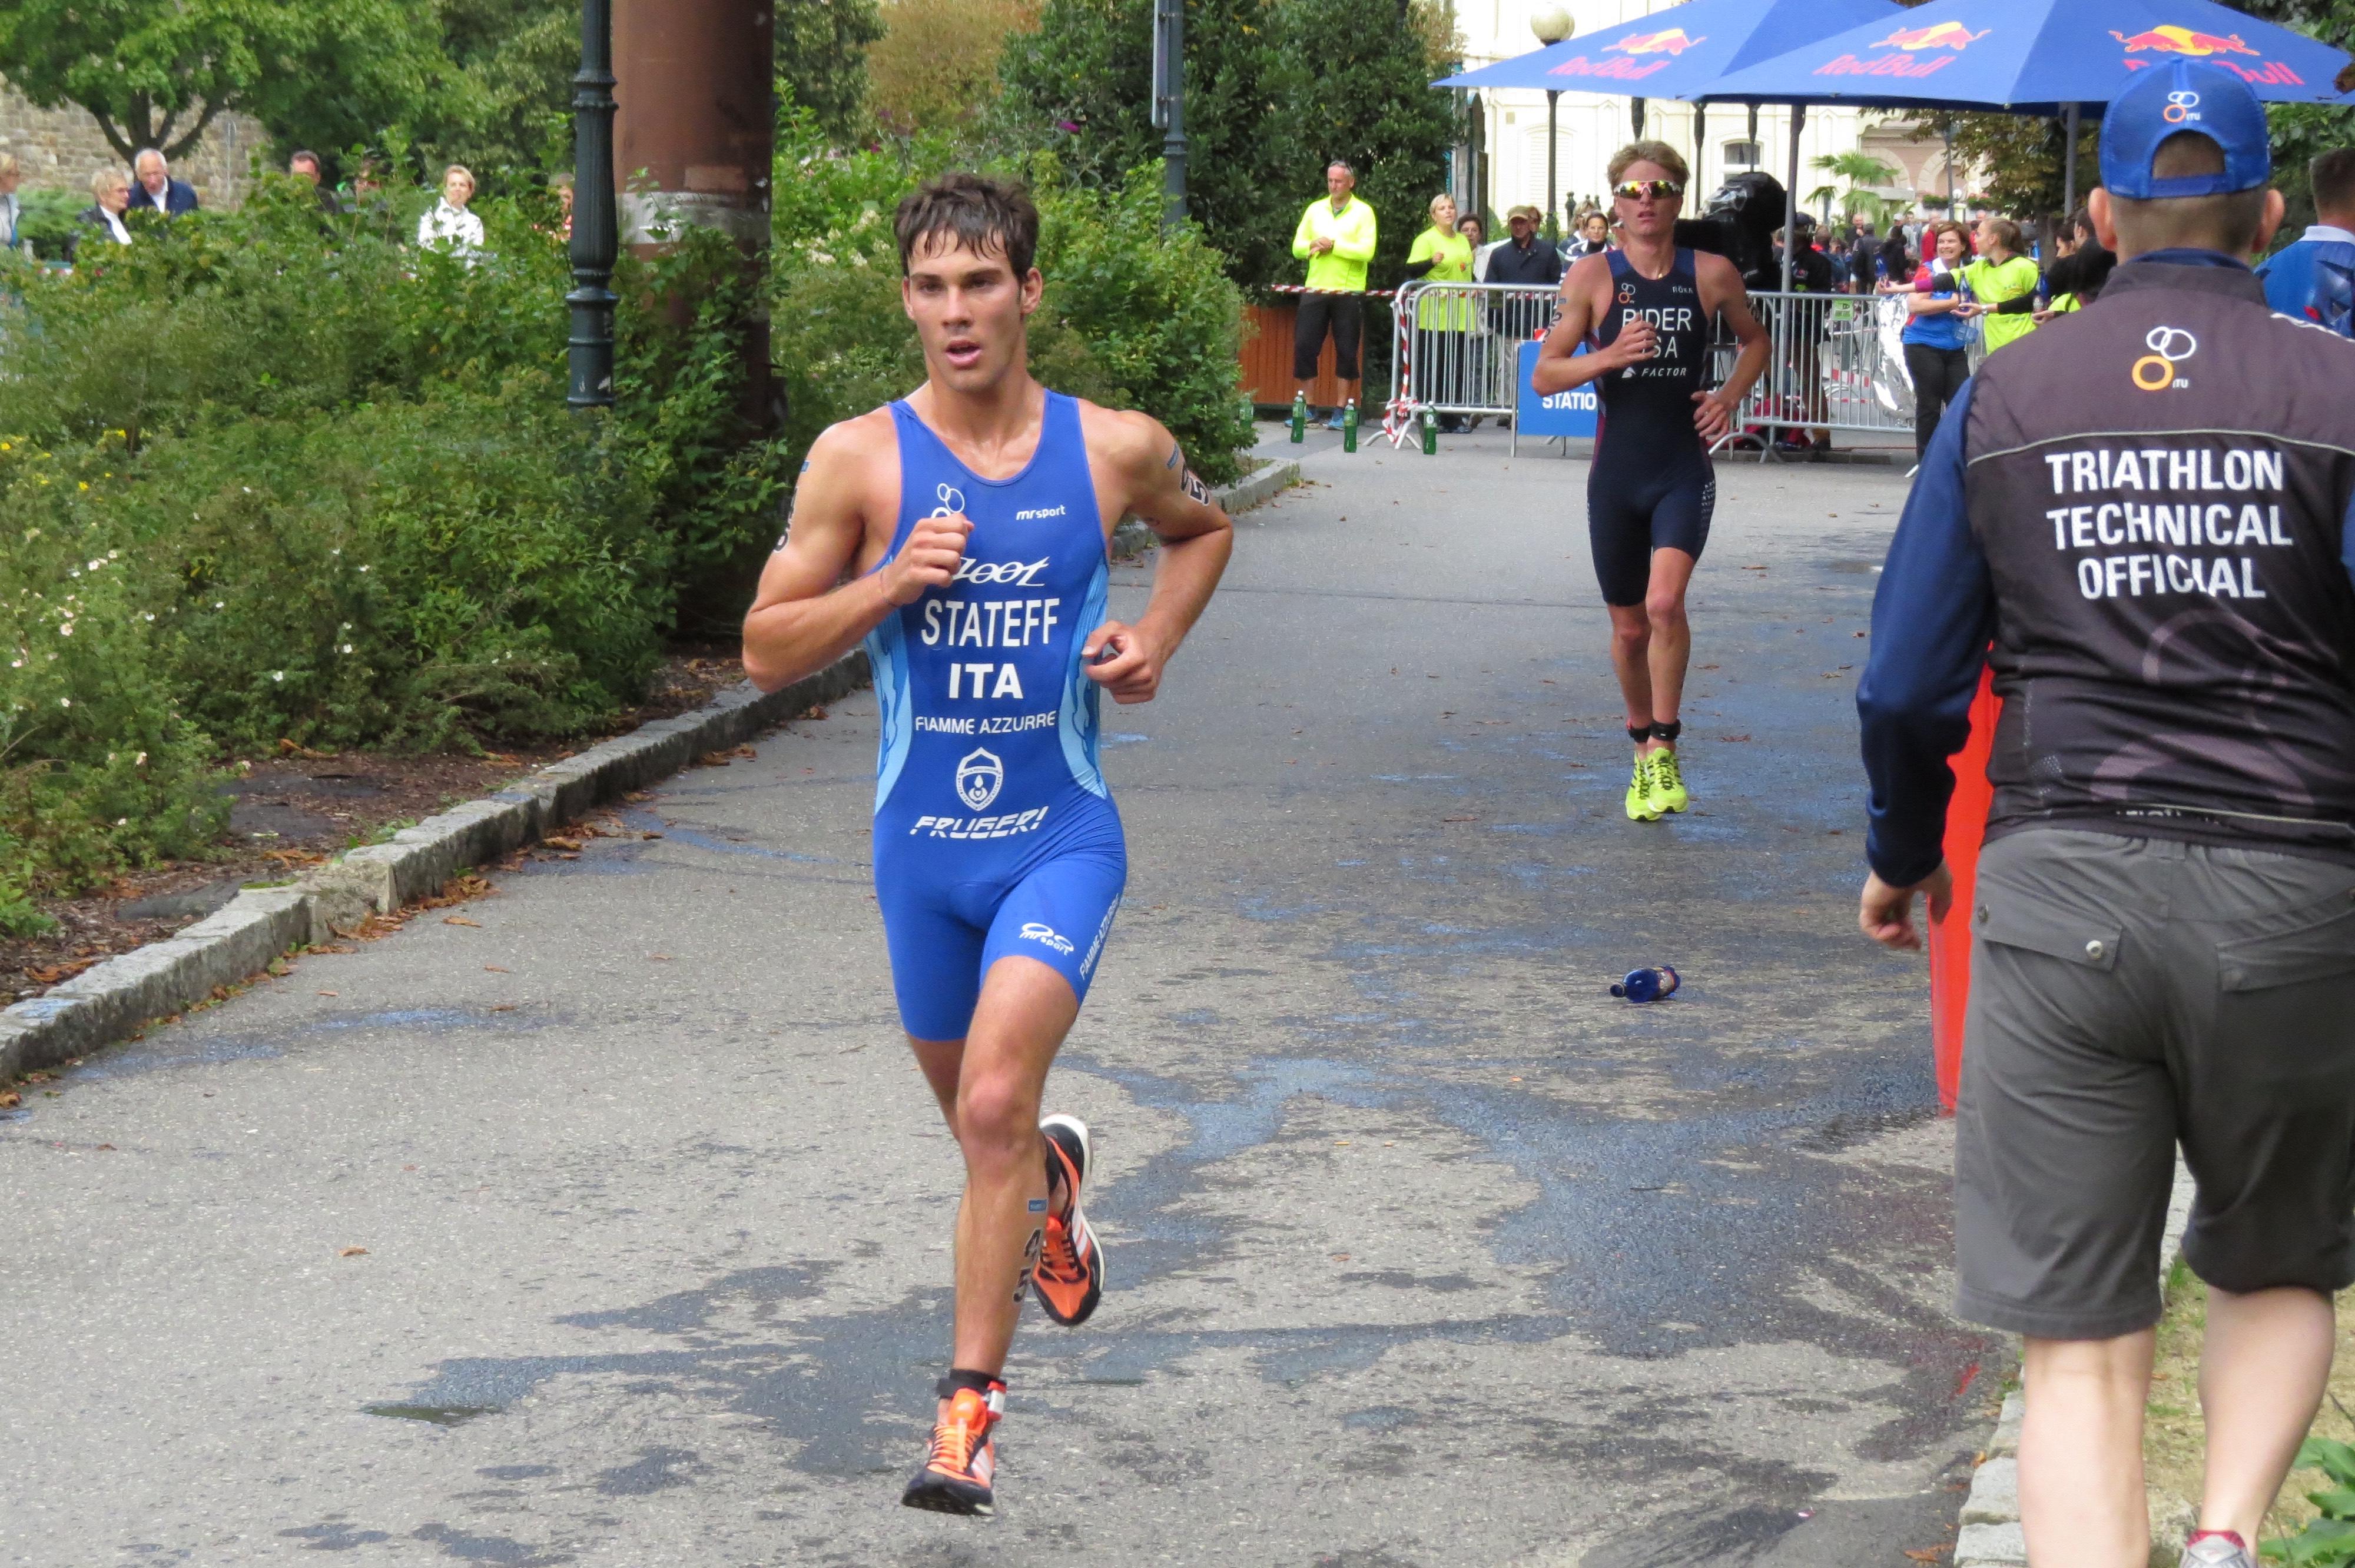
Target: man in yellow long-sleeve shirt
1335,237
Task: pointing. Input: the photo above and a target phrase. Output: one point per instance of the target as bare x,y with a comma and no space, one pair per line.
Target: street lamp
1169,104
1551,26
590,351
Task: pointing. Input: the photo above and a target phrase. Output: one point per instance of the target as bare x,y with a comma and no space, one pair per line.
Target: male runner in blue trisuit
974,520
1645,312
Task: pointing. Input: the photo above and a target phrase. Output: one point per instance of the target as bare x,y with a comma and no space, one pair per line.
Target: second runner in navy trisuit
1646,316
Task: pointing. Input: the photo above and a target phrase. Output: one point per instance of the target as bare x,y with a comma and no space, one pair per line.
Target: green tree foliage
1274,88
1859,171
154,73
2021,155
821,58
936,67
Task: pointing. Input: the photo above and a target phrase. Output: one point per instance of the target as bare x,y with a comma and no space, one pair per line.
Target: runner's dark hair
980,212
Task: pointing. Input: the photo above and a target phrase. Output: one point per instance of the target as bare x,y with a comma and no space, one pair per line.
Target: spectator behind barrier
1937,335
448,225
1527,257
2315,279
156,190
1593,232
1441,254
2075,279
2004,284
111,187
1476,234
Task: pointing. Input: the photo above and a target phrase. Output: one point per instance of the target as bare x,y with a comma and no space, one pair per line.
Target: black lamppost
1170,102
595,242
1551,26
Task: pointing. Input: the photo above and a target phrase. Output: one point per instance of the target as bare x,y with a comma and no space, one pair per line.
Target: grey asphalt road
1424,1250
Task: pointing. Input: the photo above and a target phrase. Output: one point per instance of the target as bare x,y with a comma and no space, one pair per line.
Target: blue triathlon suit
995,836
1652,486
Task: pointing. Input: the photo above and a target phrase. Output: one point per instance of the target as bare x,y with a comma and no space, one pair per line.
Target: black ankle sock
981,1382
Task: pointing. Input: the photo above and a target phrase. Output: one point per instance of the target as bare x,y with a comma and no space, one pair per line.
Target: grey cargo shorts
2127,993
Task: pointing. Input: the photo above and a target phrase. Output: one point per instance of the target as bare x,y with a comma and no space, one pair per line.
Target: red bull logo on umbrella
1915,52
2215,48
1672,41
2172,40
1945,35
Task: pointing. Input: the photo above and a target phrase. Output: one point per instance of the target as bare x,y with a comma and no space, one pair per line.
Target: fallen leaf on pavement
1928,1553
331,993
659,958
554,842
106,1149
461,920
649,835
10,1099
50,974
353,1252
505,1007
494,969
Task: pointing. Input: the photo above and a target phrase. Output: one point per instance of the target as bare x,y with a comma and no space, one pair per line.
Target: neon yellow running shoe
1667,792
1640,796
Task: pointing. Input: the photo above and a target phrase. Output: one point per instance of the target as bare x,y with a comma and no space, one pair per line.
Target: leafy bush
48,219
2328,1541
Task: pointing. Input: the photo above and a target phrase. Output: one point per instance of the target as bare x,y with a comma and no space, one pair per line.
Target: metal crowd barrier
1836,362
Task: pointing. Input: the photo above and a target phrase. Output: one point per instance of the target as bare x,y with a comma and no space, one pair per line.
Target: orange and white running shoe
955,1475
1070,1277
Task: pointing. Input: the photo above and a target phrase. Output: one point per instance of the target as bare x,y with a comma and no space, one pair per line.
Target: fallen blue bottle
1649,984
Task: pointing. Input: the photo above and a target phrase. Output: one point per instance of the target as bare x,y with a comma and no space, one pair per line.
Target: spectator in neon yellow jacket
1335,237
1999,276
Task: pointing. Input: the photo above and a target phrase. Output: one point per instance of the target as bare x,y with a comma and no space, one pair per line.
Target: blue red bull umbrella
2032,56
1671,53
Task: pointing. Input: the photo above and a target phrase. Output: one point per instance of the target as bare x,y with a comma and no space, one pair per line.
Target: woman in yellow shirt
2001,274
1443,336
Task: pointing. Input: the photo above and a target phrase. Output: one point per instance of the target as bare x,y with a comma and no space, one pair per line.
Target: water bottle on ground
1349,427
1657,984
1430,433
1299,418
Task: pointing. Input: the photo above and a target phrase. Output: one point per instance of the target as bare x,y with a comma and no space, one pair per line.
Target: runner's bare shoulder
854,467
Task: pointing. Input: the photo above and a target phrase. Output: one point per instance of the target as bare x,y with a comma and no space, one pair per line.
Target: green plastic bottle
1350,426
1299,418
1429,434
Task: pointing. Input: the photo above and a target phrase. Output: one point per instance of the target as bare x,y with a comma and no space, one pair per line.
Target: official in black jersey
1645,314
2142,517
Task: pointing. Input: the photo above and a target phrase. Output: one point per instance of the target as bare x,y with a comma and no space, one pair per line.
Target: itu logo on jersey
2170,347
979,777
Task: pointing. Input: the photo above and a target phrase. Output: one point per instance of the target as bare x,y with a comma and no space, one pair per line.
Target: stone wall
60,148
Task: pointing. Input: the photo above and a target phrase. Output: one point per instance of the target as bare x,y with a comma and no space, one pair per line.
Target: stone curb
111,1000
1990,1535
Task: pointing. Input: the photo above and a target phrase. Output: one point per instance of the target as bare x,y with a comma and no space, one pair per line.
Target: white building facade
1719,141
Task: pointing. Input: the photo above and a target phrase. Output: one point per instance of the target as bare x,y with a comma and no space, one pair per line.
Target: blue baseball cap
2184,95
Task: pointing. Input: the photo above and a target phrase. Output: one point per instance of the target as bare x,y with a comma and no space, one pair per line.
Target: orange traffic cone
1950,939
